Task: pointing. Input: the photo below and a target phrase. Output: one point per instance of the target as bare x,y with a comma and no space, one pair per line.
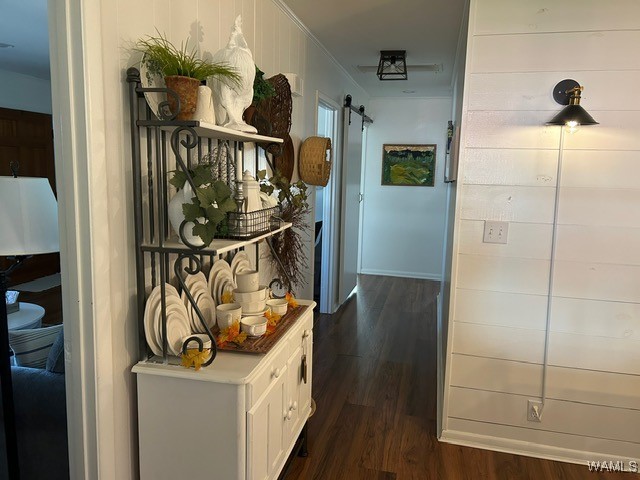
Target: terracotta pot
187,90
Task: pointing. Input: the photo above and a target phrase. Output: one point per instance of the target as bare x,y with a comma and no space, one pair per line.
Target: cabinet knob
276,372
289,415
294,406
306,333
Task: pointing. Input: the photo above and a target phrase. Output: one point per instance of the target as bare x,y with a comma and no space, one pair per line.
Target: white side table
29,316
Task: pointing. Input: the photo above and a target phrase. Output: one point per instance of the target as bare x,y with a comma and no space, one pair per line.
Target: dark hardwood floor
375,388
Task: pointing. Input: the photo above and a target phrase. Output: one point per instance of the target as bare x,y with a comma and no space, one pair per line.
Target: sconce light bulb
572,126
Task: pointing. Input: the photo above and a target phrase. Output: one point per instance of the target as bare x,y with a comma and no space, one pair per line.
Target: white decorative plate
150,79
151,312
239,257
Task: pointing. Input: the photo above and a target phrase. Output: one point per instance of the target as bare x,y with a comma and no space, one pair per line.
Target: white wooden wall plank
161,16
269,44
601,168
496,375
542,442
525,240
598,244
533,91
517,344
535,168
618,130
598,388
599,207
247,8
506,16
209,17
184,23
511,129
595,353
285,27
503,274
138,20
596,318
522,53
569,384
598,281
507,203
500,308
226,20
258,27
559,416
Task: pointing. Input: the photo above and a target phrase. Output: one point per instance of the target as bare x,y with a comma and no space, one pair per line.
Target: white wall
517,53
94,161
24,92
403,227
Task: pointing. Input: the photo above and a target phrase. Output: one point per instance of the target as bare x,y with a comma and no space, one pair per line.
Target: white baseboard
394,273
528,449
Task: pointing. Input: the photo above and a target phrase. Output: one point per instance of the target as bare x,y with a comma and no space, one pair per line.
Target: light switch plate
495,232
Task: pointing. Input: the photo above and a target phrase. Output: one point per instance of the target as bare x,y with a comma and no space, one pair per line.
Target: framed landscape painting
408,165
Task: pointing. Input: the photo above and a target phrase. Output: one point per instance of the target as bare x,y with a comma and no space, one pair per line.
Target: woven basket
313,166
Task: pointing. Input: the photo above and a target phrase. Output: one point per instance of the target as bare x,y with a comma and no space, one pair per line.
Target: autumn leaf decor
291,300
272,322
212,200
231,334
195,358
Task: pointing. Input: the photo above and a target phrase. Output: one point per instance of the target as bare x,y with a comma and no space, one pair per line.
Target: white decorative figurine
230,102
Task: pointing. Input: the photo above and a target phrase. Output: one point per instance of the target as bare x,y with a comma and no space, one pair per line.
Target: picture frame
451,159
409,165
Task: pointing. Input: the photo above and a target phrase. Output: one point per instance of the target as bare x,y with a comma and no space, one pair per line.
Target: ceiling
355,31
23,24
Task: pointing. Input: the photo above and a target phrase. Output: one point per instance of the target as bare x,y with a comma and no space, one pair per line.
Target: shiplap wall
517,52
279,44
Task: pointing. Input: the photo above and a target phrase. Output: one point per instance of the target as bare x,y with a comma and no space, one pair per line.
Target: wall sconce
568,92
392,65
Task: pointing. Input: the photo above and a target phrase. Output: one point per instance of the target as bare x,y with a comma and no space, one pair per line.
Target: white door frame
75,29
330,222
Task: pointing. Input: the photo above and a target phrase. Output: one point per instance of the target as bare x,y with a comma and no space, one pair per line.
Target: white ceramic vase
176,215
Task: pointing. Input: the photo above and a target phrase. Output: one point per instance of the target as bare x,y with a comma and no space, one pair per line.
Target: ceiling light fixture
392,65
568,92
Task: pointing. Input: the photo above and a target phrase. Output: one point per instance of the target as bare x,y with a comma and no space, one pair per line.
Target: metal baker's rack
160,144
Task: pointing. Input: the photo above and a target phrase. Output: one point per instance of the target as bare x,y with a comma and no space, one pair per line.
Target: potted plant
182,70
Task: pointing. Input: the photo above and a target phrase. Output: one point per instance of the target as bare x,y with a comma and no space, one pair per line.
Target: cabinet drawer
272,371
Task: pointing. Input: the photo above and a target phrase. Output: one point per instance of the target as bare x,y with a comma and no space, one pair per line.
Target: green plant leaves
208,208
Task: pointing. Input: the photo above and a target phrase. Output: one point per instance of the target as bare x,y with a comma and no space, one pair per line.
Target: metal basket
243,226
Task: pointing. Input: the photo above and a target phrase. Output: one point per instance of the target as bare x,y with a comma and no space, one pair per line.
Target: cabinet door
265,422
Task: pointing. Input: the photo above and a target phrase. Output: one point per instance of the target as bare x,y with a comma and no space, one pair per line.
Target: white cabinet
239,418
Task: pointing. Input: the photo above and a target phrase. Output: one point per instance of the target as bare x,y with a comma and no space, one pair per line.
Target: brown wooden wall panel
27,137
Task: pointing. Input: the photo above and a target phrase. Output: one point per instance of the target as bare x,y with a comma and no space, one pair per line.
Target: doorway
325,271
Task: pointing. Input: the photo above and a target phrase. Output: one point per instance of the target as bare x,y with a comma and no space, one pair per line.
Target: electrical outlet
534,411
495,232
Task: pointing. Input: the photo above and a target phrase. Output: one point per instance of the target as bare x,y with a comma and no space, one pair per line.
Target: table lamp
29,219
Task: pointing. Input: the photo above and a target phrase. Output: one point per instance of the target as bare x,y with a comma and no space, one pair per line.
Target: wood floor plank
374,382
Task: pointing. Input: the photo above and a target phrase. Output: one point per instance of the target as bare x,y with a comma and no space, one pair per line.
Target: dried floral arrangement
289,244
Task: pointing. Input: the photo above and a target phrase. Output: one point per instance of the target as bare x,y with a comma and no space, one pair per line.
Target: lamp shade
572,115
28,217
